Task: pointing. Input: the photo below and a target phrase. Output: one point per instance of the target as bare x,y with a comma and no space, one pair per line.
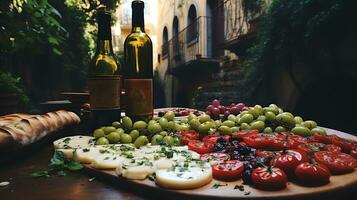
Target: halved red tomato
326,139
228,171
213,138
190,134
316,146
239,135
265,154
312,173
260,140
200,147
338,163
214,158
289,160
345,144
353,153
269,178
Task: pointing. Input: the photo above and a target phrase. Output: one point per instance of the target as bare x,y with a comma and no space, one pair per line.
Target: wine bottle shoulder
104,64
138,39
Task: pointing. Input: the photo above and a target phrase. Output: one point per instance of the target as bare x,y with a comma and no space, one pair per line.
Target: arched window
192,28
175,36
165,37
175,27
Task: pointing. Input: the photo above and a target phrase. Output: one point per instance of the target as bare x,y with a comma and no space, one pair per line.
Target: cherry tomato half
214,158
260,140
200,147
269,178
190,134
228,171
345,144
213,138
338,163
239,135
289,160
312,173
326,139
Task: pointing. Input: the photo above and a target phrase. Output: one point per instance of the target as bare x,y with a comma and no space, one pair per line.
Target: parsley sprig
59,165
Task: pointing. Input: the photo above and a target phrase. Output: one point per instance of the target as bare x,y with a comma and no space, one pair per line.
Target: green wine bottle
104,77
138,68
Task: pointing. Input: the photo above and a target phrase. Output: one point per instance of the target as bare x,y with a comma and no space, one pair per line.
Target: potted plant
12,95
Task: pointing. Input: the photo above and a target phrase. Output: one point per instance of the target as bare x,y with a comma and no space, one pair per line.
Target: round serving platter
226,189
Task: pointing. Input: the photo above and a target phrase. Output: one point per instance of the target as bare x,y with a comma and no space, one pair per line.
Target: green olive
255,112
225,130
191,116
244,126
156,139
169,140
232,118
134,134
270,116
261,118
279,129
204,128
298,120
271,109
228,123
109,129
285,119
217,123
171,125
140,125
127,122
280,110
169,115
98,133
178,127
268,130
154,128
257,125
287,113
204,118
102,141
120,130
116,124
141,141
125,138
152,122
194,123
177,141
301,130
185,127
163,133
164,123
309,124
235,129
113,137
319,130
246,118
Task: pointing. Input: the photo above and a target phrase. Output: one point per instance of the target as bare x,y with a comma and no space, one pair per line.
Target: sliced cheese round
184,177
74,142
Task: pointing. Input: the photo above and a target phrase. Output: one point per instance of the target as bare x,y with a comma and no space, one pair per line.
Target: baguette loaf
18,130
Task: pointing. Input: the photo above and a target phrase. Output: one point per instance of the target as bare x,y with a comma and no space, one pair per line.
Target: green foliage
11,85
306,31
59,165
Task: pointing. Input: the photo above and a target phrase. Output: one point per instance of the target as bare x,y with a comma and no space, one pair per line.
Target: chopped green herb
67,140
152,177
85,150
104,151
239,187
106,158
217,185
40,174
247,193
61,173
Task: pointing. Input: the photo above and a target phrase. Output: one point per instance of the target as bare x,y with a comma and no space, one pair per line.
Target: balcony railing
190,43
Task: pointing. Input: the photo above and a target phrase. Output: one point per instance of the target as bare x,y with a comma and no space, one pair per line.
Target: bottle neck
138,19
104,46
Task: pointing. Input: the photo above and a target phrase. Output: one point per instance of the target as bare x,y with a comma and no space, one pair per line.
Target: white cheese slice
184,177
73,142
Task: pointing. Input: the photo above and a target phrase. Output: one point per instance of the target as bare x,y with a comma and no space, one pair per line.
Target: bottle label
138,96
104,92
